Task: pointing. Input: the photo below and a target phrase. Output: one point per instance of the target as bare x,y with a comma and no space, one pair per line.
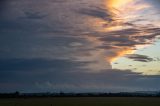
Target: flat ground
82,101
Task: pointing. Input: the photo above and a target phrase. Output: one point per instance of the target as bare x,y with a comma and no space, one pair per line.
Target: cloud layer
69,45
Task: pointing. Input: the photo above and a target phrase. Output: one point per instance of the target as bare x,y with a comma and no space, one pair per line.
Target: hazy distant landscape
82,101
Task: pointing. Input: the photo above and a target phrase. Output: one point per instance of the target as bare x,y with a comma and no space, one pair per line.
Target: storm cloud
69,45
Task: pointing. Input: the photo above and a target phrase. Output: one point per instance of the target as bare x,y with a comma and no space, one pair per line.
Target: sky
79,45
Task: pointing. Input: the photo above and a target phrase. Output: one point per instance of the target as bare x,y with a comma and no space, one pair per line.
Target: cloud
68,45
140,58
124,80
97,13
60,1
132,36
38,64
34,15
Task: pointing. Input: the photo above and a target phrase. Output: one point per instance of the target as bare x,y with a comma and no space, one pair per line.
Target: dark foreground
82,101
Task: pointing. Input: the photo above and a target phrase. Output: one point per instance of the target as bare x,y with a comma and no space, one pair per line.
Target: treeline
61,94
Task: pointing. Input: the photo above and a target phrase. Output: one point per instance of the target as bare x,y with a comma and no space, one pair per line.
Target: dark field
82,101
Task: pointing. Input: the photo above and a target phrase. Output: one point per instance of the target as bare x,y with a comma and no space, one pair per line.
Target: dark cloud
130,37
60,1
34,15
119,41
140,58
97,13
2,5
83,82
37,64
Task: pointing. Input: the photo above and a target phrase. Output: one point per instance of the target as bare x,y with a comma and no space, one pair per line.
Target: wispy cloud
140,58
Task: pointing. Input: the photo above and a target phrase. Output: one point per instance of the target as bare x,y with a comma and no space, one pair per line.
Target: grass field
82,101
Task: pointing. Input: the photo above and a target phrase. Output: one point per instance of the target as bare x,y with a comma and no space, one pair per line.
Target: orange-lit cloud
117,3
121,53
126,10
120,13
